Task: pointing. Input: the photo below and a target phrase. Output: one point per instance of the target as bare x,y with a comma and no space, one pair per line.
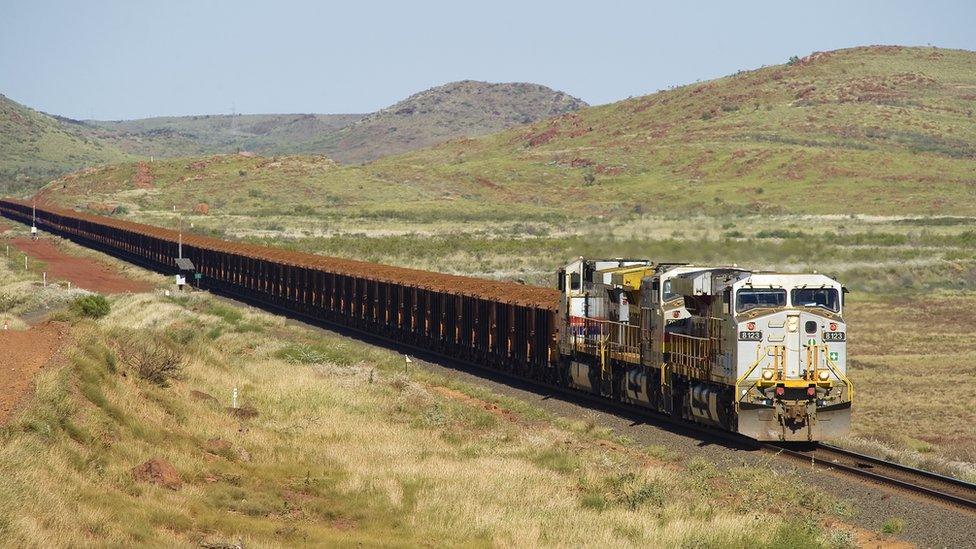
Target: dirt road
22,355
82,272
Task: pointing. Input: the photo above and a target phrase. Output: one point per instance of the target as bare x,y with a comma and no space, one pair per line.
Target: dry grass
346,449
914,360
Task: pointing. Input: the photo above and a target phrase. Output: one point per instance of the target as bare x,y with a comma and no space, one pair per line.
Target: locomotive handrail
739,396
833,368
601,337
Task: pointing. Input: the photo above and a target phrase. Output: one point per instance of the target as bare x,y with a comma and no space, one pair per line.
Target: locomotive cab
791,357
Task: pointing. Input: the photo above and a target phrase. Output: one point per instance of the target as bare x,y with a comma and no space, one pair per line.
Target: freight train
761,354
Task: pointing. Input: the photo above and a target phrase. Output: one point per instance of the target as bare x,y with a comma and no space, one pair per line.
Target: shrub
154,360
893,526
793,60
91,306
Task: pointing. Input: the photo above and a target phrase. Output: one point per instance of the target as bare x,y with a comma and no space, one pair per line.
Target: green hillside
877,130
867,130
210,134
35,148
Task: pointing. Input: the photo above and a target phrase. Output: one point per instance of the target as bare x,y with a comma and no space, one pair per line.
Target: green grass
893,526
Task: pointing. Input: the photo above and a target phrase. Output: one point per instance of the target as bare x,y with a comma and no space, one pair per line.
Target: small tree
793,60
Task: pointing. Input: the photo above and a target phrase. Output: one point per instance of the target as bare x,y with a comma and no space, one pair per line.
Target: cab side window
574,281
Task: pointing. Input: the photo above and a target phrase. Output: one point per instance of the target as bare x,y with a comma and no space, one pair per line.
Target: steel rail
932,485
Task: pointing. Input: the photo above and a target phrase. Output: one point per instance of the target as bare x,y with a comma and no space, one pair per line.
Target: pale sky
133,59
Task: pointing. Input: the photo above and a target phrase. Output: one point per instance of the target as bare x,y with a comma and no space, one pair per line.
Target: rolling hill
455,110
459,109
874,130
35,148
865,130
210,134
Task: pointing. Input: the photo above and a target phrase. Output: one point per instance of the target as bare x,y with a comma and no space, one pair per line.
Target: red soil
143,178
80,271
22,355
158,471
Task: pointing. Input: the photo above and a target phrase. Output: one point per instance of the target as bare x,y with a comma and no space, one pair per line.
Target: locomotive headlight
824,374
767,374
792,324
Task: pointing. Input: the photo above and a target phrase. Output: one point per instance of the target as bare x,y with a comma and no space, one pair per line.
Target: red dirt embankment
22,355
80,271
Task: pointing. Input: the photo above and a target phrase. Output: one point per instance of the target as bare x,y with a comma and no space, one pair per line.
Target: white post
25,262
45,279
234,399
179,252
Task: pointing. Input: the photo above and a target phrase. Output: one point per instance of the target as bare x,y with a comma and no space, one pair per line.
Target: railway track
277,281
948,490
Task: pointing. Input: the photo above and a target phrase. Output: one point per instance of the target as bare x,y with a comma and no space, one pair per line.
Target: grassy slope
879,130
35,148
867,130
346,450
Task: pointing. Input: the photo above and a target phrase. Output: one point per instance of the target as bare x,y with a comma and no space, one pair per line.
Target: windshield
667,294
816,297
754,298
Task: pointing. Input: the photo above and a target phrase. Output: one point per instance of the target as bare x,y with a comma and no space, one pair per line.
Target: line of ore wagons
496,324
